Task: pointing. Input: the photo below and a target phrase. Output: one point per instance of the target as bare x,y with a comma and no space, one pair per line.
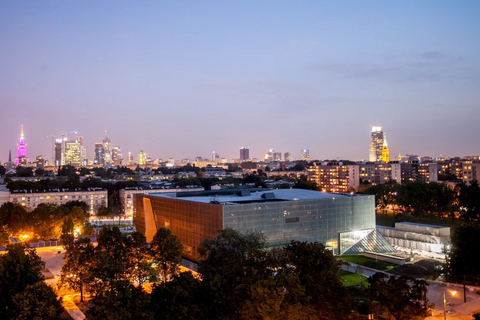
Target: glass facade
320,220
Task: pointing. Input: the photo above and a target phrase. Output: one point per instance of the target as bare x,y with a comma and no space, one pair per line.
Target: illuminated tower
21,159
376,144
385,152
305,155
107,148
142,158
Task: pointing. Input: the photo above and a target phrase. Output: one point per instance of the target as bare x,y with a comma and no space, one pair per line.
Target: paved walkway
72,308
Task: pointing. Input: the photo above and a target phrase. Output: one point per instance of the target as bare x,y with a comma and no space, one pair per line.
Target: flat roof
422,225
247,195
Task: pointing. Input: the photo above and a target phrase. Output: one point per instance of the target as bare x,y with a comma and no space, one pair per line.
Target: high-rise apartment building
21,159
305,155
335,176
244,154
377,143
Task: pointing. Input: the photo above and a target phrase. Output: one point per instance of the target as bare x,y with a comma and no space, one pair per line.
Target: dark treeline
239,278
415,200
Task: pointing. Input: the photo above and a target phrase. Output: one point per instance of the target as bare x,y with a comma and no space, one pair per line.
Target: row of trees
46,221
239,279
428,199
118,260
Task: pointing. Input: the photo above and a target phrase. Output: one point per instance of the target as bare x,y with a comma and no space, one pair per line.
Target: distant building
415,171
107,151
142,158
335,177
40,162
471,171
117,157
305,155
94,198
244,154
74,153
58,153
21,159
385,152
215,157
376,144
343,223
99,154
288,157
380,173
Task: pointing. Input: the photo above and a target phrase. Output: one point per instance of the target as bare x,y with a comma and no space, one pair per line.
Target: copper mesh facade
190,221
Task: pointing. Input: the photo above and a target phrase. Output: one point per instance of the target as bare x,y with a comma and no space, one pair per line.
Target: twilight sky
183,78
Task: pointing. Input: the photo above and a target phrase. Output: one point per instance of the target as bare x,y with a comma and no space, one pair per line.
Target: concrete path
72,308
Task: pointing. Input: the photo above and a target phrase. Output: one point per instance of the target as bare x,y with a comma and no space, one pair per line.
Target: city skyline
183,79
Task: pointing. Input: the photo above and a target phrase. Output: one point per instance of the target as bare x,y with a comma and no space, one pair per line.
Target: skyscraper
305,155
74,153
107,148
21,159
58,152
117,157
376,144
287,156
99,154
244,154
215,156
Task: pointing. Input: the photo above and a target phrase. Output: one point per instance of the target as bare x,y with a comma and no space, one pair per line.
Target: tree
110,259
39,172
139,268
19,268
37,301
14,216
123,301
317,271
24,171
76,203
178,299
47,220
469,201
403,297
166,250
226,270
463,260
77,267
384,194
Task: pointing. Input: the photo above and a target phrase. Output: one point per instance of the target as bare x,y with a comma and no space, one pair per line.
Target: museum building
343,223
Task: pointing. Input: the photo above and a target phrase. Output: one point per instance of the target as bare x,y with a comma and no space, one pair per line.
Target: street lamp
454,293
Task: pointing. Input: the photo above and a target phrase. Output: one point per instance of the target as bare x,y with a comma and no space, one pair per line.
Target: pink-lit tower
21,159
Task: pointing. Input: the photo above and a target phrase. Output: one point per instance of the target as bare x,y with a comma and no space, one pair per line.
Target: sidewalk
72,308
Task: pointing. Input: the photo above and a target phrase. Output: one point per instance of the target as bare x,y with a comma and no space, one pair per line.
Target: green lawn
350,279
367,262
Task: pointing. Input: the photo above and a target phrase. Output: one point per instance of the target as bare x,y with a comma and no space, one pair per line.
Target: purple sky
183,78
